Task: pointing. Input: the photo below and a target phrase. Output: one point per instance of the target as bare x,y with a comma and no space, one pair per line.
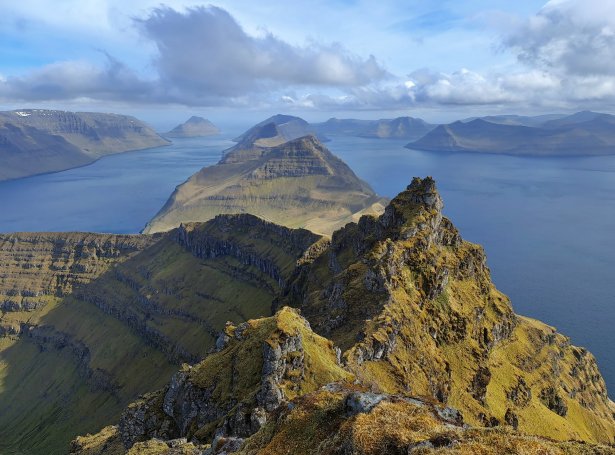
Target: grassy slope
321,203
440,343
44,397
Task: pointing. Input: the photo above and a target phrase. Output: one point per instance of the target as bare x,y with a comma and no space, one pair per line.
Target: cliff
583,133
91,321
297,183
35,141
402,345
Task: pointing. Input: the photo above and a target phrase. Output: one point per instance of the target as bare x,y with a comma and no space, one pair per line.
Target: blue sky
436,59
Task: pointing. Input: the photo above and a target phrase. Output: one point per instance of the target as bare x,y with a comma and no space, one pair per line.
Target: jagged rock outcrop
414,309
35,141
293,182
232,393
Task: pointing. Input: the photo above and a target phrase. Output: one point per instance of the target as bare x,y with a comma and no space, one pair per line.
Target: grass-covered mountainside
409,128
35,141
295,183
583,133
89,321
194,127
398,343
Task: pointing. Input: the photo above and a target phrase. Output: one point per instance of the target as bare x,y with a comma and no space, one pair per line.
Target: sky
439,60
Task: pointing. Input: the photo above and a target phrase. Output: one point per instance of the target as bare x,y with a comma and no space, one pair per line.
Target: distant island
194,127
282,128
399,128
582,134
278,171
37,141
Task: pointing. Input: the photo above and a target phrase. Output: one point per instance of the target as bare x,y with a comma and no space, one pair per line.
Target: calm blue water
548,225
117,194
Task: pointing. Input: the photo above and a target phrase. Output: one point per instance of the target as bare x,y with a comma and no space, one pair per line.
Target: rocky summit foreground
398,343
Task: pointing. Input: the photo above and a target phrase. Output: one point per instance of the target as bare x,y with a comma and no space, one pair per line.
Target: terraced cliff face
414,345
88,321
35,141
297,184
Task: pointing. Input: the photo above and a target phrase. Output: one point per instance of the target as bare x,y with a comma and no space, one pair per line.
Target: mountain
194,127
278,129
401,128
584,133
521,120
35,141
388,338
296,183
89,322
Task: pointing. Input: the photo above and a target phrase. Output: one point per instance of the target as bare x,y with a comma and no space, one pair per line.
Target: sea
547,224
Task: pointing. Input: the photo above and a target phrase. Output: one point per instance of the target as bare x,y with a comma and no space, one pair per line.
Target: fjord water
116,194
547,224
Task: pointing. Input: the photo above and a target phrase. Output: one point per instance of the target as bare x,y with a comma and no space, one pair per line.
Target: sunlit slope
96,320
296,184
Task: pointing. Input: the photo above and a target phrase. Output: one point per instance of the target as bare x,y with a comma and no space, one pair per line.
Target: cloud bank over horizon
560,57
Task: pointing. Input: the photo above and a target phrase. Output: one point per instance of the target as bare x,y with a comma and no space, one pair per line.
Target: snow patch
23,114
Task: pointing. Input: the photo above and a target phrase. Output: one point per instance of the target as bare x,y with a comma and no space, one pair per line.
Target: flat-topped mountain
400,128
35,141
296,183
584,133
194,127
402,345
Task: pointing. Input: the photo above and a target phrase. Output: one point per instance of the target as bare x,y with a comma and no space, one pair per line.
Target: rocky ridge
417,334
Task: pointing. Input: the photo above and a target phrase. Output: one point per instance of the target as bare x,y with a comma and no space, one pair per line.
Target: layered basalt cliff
90,321
35,141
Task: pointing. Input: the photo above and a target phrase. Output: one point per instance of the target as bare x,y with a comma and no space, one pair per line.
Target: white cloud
204,57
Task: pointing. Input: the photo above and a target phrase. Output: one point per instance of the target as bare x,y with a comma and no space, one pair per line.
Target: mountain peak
195,126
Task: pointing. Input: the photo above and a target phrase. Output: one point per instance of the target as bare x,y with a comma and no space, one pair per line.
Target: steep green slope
93,320
427,347
297,184
413,306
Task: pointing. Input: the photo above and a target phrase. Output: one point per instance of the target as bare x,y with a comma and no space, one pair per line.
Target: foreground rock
35,141
426,356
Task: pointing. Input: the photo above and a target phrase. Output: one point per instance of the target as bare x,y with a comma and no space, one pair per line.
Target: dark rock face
204,245
478,388
553,401
521,394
